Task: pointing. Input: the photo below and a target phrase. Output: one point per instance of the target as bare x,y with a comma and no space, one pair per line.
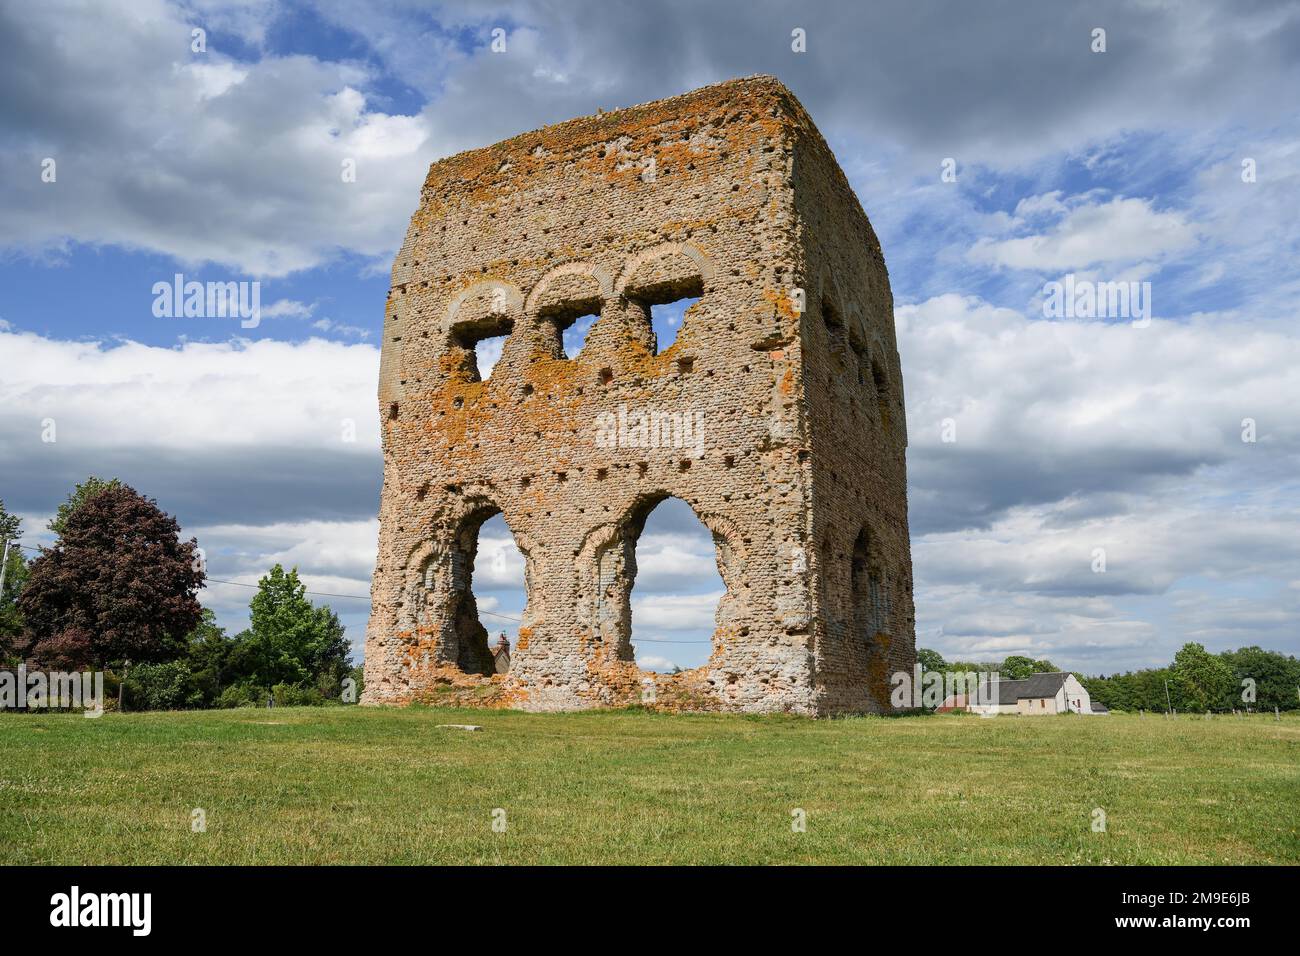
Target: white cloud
337,555
682,558
499,563
675,612
288,308
193,154
1074,436
251,394
1121,230
1034,392
339,328
654,662
487,352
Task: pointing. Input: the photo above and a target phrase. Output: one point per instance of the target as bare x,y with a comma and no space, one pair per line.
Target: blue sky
1071,434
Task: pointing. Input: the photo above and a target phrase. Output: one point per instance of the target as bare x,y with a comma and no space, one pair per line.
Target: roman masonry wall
776,415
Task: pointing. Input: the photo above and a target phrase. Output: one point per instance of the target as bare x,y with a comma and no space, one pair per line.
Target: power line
366,597
241,584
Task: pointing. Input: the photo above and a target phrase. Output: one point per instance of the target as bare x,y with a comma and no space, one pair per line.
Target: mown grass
369,785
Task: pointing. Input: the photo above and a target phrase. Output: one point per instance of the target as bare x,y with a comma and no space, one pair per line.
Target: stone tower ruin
787,367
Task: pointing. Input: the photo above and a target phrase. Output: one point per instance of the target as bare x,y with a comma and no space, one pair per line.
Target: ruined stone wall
865,621
696,195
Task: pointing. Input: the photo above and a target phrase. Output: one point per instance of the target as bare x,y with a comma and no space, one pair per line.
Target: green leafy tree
1016,668
15,575
212,658
1204,678
1276,678
930,660
288,640
168,686
79,496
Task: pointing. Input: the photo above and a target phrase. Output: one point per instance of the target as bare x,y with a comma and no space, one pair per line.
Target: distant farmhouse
1037,694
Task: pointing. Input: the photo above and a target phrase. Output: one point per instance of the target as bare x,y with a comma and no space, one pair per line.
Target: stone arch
566,293
835,324
481,299
871,610
828,290
602,612
537,295
664,263
488,309
881,382
419,579
661,275
437,609
606,569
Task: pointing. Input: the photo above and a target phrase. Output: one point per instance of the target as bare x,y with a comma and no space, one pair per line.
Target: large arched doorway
675,589
488,593
500,589
871,610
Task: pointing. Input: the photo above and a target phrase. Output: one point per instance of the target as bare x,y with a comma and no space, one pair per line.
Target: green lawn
370,785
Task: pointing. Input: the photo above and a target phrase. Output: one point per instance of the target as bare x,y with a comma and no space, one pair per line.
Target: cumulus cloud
680,558
206,159
216,432
655,662
1121,230
152,138
1071,438
288,308
676,612
1046,411
499,563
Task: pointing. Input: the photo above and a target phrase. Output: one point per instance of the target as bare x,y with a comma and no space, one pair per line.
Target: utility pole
1167,700
4,561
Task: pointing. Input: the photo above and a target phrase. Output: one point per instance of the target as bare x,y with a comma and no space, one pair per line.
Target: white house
1058,693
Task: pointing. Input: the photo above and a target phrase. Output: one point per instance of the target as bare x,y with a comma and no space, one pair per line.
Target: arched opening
666,319
500,589
663,306
487,352
881,383
675,587
834,324
575,336
481,344
488,593
569,322
837,338
870,603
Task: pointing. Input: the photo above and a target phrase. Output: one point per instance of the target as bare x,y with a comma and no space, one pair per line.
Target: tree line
1249,678
117,592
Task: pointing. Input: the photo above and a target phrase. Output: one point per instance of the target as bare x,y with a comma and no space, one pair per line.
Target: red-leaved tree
119,584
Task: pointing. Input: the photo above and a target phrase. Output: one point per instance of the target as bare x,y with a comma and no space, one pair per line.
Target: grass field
363,785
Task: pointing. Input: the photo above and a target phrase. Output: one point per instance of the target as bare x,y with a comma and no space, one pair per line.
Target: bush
240,695
161,687
295,695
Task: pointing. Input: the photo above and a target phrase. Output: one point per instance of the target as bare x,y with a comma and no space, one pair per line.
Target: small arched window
881,383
